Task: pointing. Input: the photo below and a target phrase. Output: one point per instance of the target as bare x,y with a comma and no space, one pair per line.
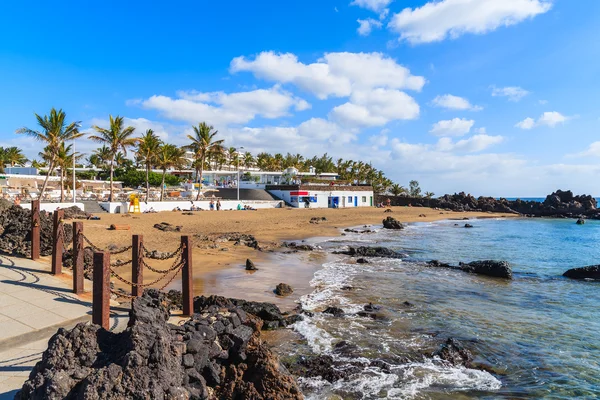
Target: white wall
185,205
323,197
50,207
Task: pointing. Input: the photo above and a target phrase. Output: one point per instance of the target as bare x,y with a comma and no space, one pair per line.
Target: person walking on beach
212,205
219,205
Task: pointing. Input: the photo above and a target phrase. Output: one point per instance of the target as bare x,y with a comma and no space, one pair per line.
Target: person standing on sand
212,205
219,205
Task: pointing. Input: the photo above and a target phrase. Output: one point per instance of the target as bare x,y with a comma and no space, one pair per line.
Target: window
293,199
364,199
349,199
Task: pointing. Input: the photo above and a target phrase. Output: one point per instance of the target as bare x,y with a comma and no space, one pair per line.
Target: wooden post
187,280
57,243
35,229
78,254
137,269
101,293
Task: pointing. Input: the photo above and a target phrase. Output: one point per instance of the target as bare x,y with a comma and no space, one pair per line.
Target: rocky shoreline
560,204
216,354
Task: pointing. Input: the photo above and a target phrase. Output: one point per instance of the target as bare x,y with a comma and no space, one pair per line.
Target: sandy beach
219,271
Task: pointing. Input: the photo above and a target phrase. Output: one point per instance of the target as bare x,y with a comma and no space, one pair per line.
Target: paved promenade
33,305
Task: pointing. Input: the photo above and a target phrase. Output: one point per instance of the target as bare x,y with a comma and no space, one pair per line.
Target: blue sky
486,96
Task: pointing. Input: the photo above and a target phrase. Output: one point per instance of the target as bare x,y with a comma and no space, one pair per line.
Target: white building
324,196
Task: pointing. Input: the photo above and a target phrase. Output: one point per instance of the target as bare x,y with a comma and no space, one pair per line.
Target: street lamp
238,172
74,181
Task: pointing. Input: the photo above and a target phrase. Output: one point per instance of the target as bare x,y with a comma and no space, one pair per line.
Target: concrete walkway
33,305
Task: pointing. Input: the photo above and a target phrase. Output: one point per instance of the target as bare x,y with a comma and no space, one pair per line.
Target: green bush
134,178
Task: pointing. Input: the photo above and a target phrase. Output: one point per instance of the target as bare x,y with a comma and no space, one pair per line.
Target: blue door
355,201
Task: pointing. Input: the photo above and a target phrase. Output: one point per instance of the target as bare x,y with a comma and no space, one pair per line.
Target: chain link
143,285
170,280
149,254
98,249
120,263
173,267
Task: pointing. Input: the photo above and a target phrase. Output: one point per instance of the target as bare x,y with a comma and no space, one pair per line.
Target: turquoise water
537,335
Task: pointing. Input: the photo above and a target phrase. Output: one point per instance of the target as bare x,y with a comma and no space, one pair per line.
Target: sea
536,336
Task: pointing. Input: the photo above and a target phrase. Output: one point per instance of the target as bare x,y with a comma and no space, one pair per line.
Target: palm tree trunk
112,170
50,170
162,185
200,178
197,179
62,186
147,182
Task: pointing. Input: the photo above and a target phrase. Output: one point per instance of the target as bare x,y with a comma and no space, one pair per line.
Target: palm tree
202,142
38,164
429,195
248,160
116,138
64,160
232,154
397,189
54,132
147,153
100,157
14,155
169,156
2,159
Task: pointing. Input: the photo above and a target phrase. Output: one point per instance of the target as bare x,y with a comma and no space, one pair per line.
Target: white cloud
366,26
311,137
543,102
438,20
549,118
375,108
527,123
482,130
514,93
373,5
336,74
223,109
473,144
454,103
552,119
593,150
453,127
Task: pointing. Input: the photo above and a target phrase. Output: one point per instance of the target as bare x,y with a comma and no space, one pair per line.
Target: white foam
425,375
317,338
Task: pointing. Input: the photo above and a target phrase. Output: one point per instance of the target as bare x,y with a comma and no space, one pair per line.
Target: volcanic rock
154,360
455,353
392,223
166,227
283,290
15,231
335,311
250,265
364,251
75,212
498,269
591,272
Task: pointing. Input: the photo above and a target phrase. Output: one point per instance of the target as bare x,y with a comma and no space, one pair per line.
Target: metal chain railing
175,267
98,249
143,285
120,263
163,256
161,271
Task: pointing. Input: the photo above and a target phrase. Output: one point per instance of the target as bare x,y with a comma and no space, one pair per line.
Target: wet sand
222,272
